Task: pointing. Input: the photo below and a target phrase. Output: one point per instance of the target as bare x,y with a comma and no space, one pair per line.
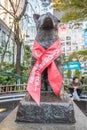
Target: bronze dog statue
47,34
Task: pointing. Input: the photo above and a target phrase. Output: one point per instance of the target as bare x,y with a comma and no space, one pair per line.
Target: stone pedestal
51,110
9,123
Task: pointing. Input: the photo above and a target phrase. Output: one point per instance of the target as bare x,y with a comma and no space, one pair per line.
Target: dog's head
46,21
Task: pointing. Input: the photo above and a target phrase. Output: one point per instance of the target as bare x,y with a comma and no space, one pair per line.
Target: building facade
72,39
7,16
6,43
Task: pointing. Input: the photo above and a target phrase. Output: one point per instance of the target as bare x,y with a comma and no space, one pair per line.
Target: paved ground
9,106
83,106
4,114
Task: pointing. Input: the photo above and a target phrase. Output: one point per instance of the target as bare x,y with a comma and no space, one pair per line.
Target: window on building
62,39
7,37
68,49
63,49
68,43
68,38
3,37
74,43
63,43
76,47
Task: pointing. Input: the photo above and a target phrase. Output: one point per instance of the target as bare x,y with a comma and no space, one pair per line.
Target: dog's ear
36,17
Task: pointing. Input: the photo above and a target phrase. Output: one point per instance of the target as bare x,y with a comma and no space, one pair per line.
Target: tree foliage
74,9
27,55
77,73
78,56
8,75
69,73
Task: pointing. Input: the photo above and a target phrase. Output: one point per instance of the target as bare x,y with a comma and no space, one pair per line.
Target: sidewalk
4,114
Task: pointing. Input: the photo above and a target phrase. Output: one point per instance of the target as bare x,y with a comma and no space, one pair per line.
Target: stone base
9,123
51,110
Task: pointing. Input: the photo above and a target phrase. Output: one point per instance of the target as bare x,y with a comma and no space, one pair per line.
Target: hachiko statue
46,40
47,70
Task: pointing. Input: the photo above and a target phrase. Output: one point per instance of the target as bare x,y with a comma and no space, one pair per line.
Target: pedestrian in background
75,88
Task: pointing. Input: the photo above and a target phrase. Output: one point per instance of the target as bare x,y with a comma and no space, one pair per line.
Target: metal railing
84,87
11,97
17,88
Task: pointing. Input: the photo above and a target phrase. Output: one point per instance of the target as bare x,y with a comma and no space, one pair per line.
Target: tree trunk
18,57
18,42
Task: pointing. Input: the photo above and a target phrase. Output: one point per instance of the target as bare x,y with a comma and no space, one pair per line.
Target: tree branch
12,5
23,11
6,10
32,7
3,13
17,5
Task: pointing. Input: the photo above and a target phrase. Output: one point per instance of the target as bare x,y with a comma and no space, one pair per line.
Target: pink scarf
45,59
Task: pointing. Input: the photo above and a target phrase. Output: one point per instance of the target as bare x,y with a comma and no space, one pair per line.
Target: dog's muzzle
47,23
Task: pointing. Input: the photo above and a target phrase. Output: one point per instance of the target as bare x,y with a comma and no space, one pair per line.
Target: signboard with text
72,66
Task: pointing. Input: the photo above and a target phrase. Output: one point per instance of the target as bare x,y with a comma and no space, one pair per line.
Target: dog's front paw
62,93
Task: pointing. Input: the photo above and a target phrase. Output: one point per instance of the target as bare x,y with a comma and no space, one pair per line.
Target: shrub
8,75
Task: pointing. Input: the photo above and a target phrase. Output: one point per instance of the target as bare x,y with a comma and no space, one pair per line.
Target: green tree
16,16
74,9
64,59
77,73
69,72
78,56
27,54
74,57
